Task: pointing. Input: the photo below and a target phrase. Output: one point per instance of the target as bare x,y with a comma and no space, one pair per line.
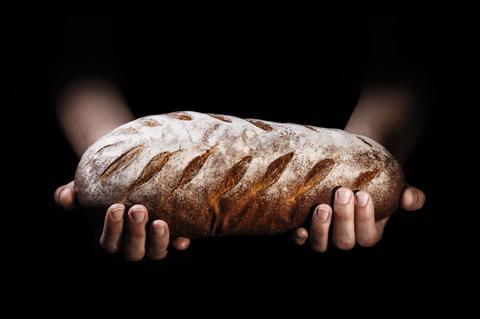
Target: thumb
65,196
412,198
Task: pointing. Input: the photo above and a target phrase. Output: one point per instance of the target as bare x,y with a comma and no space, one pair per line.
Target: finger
134,249
412,198
159,237
59,189
64,196
321,219
366,233
181,243
112,228
56,194
300,236
380,225
343,219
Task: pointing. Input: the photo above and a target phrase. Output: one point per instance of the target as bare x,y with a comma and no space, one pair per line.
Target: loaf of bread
212,175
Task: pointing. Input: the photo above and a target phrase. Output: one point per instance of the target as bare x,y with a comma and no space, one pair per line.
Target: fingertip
185,244
300,236
56,195
181,243
138,207
412,198
66,198
302,233
421,198
159,223
116,206
59,190
320,227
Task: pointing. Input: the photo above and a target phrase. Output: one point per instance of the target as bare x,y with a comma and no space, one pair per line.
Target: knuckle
344,244
109,232
159,246
108,246
136,230
134,256
316,234
364,213
367,241
137,235
158,255
343,213
318,247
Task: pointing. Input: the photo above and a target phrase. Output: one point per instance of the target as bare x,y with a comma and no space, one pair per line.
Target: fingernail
158,228
362,199
344,196
138,215
322,213
117,214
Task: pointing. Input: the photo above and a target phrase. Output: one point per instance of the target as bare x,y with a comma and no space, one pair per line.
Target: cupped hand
127,232
352,220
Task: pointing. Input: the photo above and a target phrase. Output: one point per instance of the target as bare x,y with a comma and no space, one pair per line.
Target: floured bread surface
209,174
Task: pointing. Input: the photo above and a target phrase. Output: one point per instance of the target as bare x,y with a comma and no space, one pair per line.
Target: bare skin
389,116
90,110
86,112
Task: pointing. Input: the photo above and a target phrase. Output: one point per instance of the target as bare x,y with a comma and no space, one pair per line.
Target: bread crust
212,175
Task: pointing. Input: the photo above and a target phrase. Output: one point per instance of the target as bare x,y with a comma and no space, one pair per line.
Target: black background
284,71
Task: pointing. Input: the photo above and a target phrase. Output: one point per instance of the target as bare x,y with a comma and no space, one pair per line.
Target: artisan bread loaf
210,175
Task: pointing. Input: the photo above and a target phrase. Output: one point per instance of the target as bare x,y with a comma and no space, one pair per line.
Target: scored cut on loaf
211,175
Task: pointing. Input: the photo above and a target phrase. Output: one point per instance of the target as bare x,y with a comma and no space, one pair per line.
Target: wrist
368,132
90,110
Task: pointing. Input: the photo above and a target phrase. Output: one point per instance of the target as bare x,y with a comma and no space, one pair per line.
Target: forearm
89,110
391,115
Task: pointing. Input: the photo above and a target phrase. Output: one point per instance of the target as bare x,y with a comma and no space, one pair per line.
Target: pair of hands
351,221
